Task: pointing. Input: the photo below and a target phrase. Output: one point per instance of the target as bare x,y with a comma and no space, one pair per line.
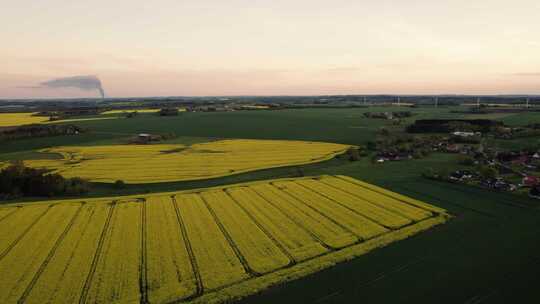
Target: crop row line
233,245
10,213
372,202
194,266
143,267
344,206
242,259
50,255
303,227
295,198
97,254
385,194
6,251
292,260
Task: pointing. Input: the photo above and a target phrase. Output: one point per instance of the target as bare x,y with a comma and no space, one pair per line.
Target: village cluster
479,164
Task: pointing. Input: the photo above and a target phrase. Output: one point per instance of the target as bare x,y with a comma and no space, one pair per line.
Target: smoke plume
86,83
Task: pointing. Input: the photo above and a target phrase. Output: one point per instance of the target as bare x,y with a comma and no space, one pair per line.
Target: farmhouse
144,138
465,134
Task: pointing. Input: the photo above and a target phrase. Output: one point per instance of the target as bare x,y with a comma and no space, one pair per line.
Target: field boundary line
311,233
385,194
375,204
143,267
292,260
358,238
97,254
50,255
20,237
193,261
236,250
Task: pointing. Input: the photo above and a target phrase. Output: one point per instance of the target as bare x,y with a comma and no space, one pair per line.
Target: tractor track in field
20,237
97,255
233,245
143,267
50,255
294,220
10,213
359,239
194,266
384,194
347,207
375,203
292,260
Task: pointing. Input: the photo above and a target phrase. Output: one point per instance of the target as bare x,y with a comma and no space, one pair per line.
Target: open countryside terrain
203,246
487,252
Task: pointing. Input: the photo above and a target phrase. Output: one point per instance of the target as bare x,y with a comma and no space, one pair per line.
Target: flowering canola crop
167,162
19,119
197,246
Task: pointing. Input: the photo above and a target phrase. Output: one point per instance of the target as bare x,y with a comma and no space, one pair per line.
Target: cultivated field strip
356,205
332,235
217,262
169,272
388,203
349,219
200,246
15,225
5,212
258,248
116,278
394,195
19,266
299,243
64,277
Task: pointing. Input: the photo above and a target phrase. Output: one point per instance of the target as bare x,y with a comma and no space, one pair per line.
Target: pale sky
271,47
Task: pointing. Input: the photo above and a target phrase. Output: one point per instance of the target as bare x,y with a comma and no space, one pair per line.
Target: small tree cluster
17,180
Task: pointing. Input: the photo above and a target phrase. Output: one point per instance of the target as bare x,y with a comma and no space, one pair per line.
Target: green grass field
489,253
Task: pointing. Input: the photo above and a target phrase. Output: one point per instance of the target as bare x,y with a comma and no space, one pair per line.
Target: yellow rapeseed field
168,162
260,254
137,110
170,273
19,119
197,246
117,270
216,262
72,260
